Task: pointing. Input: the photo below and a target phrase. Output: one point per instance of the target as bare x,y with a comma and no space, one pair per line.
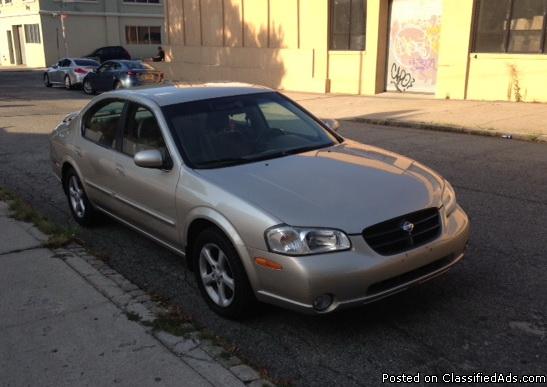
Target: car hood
348,186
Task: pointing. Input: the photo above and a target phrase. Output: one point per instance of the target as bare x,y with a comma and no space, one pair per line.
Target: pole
63,27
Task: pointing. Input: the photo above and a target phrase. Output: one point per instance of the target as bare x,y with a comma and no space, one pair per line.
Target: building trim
117,14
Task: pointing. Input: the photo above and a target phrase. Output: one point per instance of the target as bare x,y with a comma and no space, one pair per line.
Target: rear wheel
80,206
88,88
47,83
68,83
221,277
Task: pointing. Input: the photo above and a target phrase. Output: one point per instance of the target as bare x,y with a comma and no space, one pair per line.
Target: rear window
139,66
86,62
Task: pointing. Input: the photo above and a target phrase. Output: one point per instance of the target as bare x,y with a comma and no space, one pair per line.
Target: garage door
414,32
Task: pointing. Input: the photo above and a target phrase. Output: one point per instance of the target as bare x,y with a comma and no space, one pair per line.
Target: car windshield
139,66
241,129
85,62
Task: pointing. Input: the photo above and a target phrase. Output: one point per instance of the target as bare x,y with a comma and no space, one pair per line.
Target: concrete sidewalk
63,323
525,121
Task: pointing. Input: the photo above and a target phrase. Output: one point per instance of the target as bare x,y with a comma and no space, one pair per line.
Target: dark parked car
117,74
109,53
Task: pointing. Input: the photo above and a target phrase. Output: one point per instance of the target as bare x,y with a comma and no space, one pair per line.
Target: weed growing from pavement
20,210
132,316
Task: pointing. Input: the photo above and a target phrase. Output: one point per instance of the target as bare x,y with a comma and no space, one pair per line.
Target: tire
216,265
117,85
88,88
47,83
80,207
68,83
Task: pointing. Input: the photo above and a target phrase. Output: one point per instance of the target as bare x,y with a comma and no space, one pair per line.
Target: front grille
410,276
389,237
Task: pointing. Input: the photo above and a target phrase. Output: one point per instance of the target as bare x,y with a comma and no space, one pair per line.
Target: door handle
120,170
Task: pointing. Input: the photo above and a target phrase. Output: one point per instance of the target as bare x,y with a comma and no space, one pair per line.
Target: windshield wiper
222,162
277,153
209,164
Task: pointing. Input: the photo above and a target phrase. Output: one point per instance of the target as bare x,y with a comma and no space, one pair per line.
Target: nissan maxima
266,202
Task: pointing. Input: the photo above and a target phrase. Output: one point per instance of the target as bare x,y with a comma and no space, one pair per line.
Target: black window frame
507,32
331,28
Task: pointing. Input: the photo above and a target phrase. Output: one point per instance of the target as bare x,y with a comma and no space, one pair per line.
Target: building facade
36,33
452,49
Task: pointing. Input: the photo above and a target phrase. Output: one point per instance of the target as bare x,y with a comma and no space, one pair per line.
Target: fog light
322,302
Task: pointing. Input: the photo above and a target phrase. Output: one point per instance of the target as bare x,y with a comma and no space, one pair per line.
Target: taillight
131,73
161,76
80,70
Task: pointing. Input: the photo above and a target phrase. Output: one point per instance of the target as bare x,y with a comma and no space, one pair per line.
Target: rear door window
102,121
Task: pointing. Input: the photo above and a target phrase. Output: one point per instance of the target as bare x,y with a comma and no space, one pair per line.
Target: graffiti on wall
414,45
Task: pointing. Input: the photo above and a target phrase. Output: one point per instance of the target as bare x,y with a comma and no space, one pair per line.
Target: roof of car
187,92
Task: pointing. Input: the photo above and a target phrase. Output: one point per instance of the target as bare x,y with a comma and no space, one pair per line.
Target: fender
213,216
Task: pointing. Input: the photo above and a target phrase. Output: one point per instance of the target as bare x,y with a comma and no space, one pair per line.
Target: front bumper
360,275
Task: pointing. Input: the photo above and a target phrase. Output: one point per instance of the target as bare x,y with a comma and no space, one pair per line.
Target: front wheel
80,206
221,277
88,88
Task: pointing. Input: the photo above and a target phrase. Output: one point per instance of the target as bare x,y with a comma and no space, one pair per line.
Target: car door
146,196
64,68
104,78
95,152
55,74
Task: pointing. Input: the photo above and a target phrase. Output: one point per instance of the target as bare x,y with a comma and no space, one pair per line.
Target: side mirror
149,159
54,66
332,124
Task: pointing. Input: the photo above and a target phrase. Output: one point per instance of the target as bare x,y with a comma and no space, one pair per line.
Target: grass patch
132,316
20,210
170,325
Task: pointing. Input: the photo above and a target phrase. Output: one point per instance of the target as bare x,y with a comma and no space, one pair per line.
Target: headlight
449,198
305,241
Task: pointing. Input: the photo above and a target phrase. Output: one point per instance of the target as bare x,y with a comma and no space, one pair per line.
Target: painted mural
414,45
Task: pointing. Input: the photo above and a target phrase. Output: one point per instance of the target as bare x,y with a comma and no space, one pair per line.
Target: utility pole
63,26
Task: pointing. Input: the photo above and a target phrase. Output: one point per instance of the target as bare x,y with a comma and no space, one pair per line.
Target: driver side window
142,132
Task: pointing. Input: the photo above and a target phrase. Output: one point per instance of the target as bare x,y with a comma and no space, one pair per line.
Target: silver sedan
266,202
69,72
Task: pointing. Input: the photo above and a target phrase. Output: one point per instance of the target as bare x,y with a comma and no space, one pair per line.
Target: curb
450,128
218,366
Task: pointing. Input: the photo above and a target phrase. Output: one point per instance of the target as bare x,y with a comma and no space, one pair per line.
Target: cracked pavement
486,315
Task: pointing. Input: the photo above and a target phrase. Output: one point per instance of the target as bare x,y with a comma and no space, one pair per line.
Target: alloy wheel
87,87
68,84
76,195
216,275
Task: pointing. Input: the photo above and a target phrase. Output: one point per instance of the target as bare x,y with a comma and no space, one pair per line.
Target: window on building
347,24
143,34
517,26
32,33
142,1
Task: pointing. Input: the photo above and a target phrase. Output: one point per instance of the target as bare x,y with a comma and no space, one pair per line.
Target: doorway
19,47
414,34
10,47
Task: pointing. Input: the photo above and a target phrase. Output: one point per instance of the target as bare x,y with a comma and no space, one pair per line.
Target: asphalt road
486,315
